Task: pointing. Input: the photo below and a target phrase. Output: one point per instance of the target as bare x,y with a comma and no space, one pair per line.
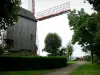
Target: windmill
23,36
48,13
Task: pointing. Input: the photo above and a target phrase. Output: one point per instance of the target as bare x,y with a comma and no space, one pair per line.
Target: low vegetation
87,69
35,72
32,72
31,63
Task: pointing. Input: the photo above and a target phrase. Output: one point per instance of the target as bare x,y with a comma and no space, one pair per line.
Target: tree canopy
70,49
85,28
9,12
67,51
96,4
52,44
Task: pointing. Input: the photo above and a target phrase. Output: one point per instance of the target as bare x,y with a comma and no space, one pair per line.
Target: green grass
87,69
36,72
72,62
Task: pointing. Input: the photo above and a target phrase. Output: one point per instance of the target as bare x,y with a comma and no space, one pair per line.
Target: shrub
31,63
1,50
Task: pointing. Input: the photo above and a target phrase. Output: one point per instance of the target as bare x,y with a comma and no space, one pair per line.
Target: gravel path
66,70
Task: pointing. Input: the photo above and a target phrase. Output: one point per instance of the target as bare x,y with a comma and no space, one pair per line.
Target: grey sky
57,24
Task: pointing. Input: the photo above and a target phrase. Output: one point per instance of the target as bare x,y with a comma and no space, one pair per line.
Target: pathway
66,70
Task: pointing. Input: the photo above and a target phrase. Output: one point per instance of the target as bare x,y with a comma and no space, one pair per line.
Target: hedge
31,63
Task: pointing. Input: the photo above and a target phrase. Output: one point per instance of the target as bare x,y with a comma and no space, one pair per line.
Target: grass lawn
87,69
72,62
36,72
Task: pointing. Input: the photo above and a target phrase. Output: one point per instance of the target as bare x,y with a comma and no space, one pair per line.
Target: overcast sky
57,24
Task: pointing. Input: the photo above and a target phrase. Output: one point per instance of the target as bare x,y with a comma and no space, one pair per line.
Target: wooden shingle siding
23,33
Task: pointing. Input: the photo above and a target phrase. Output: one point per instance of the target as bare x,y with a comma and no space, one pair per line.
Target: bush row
31,63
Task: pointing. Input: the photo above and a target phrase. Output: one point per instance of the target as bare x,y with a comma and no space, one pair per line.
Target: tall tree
70,49
85,29
9,12
96,6
52,44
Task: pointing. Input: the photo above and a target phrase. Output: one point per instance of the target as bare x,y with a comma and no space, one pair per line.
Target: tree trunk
92,56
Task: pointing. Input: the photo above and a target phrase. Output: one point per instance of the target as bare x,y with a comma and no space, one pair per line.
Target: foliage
31,63
34,72
96,6
95,3
69,50
52,44
1,50
63,52
87,58
9,12
85,28
78,22
87,69
97,18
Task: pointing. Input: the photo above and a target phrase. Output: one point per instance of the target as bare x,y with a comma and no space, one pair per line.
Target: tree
1,50
96,4
52,44
69,50
9,12
85,29
87,58
63,51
